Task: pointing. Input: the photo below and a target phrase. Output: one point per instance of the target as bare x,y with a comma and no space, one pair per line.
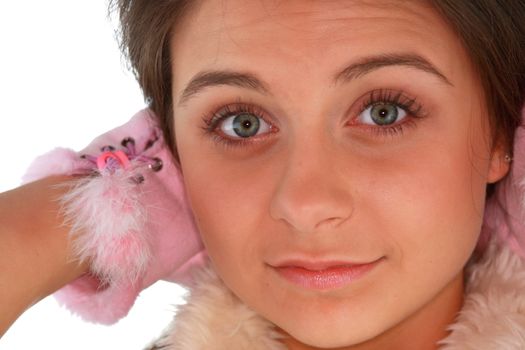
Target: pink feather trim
107,220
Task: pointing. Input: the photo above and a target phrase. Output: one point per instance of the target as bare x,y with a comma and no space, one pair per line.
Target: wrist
39,258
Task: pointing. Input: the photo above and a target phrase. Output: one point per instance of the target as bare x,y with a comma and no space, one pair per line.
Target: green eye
382,114
243,125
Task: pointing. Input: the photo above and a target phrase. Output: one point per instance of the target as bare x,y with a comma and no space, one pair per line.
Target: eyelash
396,98
211,122
411,106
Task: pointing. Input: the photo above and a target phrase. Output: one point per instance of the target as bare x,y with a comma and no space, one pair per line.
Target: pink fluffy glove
129,217
505,210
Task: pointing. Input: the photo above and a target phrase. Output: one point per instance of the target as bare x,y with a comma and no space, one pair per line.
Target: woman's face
336,155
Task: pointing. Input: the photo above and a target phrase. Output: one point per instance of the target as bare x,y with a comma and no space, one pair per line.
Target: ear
498,166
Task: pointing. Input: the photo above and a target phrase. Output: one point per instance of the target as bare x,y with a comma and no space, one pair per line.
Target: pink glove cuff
129,217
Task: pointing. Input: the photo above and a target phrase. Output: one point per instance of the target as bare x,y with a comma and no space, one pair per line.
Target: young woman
351,168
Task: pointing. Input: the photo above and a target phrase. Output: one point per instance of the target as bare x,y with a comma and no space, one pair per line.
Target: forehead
294,37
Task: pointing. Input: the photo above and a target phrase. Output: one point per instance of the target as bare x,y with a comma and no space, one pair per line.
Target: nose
313,194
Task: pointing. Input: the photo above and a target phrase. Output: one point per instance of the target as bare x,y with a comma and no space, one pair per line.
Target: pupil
246,125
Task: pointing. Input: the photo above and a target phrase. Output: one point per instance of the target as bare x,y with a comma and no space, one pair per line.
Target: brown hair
144,35
493,32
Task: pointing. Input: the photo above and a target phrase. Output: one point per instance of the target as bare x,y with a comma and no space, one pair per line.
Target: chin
328,335
328,339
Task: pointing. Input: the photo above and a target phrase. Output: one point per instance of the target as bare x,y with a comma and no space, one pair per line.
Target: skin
322,182
36,257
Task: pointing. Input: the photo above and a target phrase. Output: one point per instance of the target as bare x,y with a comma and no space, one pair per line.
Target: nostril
332,222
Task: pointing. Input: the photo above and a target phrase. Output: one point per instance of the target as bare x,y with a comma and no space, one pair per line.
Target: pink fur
97,302
60,161
116,246
133,234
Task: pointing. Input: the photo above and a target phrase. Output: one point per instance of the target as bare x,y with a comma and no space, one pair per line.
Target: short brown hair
144,35
493,32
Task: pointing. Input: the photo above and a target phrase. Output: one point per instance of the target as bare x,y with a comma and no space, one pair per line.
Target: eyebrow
210,78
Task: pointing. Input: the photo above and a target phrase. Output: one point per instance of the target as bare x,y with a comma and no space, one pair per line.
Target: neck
421,331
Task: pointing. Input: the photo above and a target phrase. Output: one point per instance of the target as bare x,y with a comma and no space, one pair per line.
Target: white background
62,82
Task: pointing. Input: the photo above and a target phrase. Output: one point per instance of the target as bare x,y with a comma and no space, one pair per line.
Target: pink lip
323,275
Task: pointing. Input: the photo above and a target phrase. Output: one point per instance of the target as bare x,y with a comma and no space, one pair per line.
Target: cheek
227,200
435,199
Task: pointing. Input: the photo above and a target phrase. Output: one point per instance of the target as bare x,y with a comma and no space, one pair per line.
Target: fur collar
492,317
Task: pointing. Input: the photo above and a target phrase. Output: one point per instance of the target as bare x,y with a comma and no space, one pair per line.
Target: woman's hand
35,257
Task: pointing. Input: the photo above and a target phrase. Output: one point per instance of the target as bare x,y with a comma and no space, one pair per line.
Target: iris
384,113
246,125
